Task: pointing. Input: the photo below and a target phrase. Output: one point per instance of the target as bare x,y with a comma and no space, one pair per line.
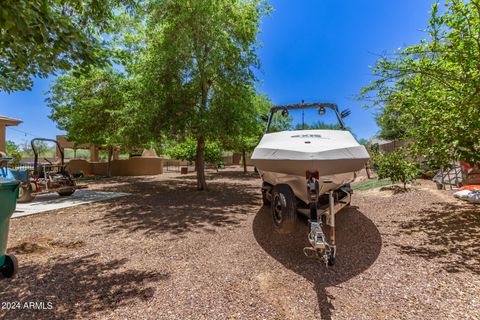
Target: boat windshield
304,119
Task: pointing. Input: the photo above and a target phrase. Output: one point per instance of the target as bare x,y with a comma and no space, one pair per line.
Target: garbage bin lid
9,185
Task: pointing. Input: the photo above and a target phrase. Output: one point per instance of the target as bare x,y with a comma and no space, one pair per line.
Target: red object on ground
470,187
466,165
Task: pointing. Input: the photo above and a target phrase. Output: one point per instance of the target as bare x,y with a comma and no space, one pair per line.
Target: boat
300,160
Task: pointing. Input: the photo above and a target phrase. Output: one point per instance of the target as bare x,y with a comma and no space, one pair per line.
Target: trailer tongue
323,246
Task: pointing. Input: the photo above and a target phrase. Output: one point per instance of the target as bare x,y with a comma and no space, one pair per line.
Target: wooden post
442,180
3,143
116,154
244,156
93,154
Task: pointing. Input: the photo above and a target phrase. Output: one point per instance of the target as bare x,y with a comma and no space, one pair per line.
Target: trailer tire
10,267
284,211
25,194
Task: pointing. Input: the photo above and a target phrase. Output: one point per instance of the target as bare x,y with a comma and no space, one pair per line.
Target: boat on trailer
306,167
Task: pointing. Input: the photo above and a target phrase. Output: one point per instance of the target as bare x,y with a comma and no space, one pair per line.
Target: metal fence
175,166
22,166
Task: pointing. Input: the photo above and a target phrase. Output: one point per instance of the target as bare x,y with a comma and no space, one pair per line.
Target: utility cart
46,176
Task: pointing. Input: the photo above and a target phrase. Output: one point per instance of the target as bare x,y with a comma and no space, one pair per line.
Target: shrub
14,152
183,151
396,166
187,150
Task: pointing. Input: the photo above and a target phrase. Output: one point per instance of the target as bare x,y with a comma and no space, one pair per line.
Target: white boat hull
299,185
285,157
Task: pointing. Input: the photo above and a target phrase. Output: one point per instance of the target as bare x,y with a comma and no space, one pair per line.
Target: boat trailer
323,247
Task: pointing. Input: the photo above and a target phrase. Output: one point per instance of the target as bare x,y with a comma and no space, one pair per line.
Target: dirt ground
171,252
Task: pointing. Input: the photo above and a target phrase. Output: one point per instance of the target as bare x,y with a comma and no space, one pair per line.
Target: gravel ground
170,252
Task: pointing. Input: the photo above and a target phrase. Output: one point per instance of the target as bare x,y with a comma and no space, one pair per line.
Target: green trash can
8,202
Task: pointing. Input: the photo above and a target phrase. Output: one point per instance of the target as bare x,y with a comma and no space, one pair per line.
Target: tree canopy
252,129
187,75
90,107
391,125
13,150
430,92
319,125
38,37
187,150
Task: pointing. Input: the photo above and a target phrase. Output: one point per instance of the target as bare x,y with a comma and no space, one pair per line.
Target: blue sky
316,50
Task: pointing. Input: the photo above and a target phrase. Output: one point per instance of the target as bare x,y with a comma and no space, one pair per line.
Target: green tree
187,150
431,90
13,150
89,107
38,37
390,122
44,149
319,125
196,76
364,142
252,129
280,122
396,166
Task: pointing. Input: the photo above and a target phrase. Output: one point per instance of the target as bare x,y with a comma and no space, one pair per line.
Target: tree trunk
109,163
244,156
204,88
367,169
200,164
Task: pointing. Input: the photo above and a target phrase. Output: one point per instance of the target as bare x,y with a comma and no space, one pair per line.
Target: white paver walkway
53,201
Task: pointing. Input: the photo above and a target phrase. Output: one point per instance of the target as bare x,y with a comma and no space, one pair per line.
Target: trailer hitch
319,247
327,255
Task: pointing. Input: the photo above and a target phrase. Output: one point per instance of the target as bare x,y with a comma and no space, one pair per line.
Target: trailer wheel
66,192
283,209
10,267
25,194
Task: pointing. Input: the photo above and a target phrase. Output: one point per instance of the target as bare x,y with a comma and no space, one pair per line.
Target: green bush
213,153
396,166
187,150
183,151
14,152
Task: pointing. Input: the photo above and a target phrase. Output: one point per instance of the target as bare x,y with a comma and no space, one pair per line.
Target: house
4,123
